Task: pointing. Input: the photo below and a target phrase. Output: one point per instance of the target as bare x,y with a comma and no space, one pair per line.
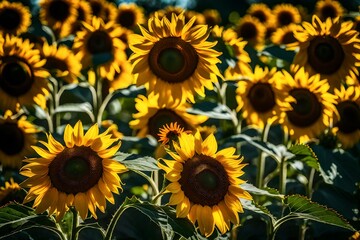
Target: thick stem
261,160
302,230
99,100
283,175
75,224
153,184
103,107
309,189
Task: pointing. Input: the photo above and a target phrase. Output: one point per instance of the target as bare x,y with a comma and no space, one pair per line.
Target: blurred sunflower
61,62
174,59
84,15
251,30
112,128
347,129
17,136
312,107
98,45
286,14
100,9
262,12
284,35
22,77
81,174
154,112
205,183
129,15
177,10
328,9
205,131
59,15
329,48
9,192
258,97
212,17
15,18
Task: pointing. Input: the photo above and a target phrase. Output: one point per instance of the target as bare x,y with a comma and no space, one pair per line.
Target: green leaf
212,110
305,154
77,107
270,192
304,208
137,162
256,208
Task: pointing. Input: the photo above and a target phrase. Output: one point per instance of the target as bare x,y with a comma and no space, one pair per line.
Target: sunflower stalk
114,221
54,103
261,161
75,224
103,107
99,100
154,185
283,175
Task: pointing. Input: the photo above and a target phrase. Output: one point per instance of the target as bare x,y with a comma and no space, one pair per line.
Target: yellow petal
81,205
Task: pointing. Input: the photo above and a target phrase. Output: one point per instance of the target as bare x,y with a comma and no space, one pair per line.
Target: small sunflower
9,192
103,9
80,174
329,48
284,35
212,17
15,18
286,14
173,58
347,129
84,14
98,45
177,10
61,62
22,76
169,133
17,136
328,9
129,15
59,15
312,106
154,112
204,183
251,30
258,97
262,12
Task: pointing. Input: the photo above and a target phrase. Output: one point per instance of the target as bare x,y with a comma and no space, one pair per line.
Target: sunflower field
169,119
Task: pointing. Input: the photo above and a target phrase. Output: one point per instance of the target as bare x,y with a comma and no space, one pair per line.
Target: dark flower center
328,11
204,180
248,31
81,14
96,8
10,19
285,18
261,97
75,170
288,37
212,20
16,76
53,63
349,116
260,15
173,60
59,10
325,54
99,42
12,140
126,18
306,110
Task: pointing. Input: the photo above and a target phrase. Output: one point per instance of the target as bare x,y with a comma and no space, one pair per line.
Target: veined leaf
264,192
77,107
305,154
137,162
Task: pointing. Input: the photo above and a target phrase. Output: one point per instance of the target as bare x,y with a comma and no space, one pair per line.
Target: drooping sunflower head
22,76
312,108
284,35
173,58
251,30
129,15
154,112
329,48
61,62
17,136
262,12
15,18
212,17
258,97
59,15
328,9
10,192
347,129
204,182
285,14
98,45
81,173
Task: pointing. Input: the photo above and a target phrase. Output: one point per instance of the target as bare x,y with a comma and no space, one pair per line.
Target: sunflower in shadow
84,14
312,108
61,62
154,112
258,97
328,9
212,17
10,192
98,46
22,76
15,18
262,12
250,29
129,15
79,174
59,15
17,136
347,129
330,48
103,9
173,58
284,35
205,183
177,10
286,14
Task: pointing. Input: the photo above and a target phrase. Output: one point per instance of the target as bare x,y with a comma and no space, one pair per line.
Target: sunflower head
10,192
84,15
129,15
284,35
262,12
15,18
212,17
286,14
169,133
251,30
204,182
80,173
328,9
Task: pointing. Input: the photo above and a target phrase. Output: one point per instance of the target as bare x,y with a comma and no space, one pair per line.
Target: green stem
153,184
75,224
283,175
309,189
302,230
113,222
99,100
103,107
280,222
54,103
261,160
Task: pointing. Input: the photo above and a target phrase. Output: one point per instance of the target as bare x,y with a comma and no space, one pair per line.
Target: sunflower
312,106
329,48
84,14
9,192
129,15
262,12
103,9
284,35
15,18
251,30
205,182
177,10
98,45
59,15
348,105
259,96
61,62
154,112
22,77
81,173
112,128
173,58
17,136
212,17
285,14
328,9
169,133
